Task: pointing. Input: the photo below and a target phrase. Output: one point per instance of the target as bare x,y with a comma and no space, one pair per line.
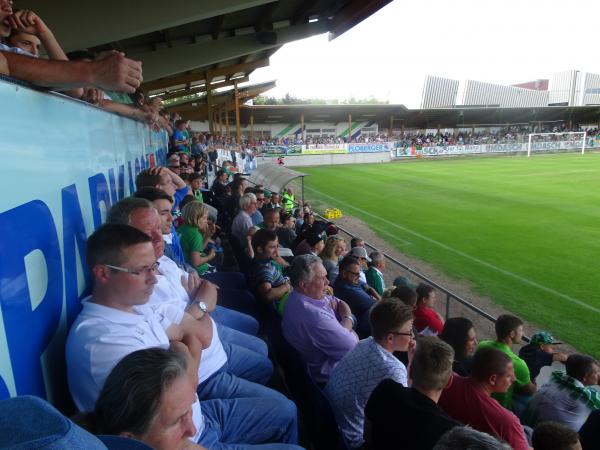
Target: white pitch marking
465,255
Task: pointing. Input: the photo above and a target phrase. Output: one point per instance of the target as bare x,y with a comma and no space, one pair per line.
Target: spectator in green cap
540,352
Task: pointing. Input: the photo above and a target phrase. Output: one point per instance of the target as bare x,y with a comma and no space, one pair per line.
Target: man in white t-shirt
231,371
116,321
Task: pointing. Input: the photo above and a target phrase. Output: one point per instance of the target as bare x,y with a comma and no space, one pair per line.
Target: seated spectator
589,433
257,217
374,273
459,332
409,417
165,179
116,320
316,324
468,399
428,321
315,244
195,180
242,223
150,395
406,295
567,398
509,331
540,353
555,436
372,361
265,277
334,251
460,438
360,253
287,231
194,236
404,281
274,201
359,296
271,220
357,242
220,183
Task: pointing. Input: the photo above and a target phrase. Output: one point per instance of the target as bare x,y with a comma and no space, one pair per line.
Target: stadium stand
191,318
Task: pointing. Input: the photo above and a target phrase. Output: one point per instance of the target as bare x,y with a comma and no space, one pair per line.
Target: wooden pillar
302,128
238,131
252,128
349,127
439,126
211,126
227,120
219,121
402,127
391,125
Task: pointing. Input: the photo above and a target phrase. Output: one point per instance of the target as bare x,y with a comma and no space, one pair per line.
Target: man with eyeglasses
370,362
116,321
358,295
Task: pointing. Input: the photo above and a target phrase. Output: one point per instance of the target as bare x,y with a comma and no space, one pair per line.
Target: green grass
525,232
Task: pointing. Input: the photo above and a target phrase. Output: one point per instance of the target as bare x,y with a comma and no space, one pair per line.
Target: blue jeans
247,423
240,339
247,364
236,320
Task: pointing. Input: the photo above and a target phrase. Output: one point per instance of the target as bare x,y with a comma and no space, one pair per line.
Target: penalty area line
463,254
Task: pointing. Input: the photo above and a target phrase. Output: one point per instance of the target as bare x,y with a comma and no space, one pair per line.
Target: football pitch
523,231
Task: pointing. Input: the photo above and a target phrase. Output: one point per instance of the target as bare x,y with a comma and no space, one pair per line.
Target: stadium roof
182,43
419,118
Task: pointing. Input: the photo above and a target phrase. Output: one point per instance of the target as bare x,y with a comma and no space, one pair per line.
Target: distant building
567,88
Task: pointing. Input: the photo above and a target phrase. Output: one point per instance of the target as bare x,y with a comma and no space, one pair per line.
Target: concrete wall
323,160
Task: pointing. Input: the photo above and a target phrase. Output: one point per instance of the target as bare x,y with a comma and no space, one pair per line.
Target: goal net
556,142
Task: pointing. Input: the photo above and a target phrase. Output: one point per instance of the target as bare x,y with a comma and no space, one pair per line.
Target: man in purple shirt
318,325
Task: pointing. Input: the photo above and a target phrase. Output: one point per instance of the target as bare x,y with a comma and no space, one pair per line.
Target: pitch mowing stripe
464,255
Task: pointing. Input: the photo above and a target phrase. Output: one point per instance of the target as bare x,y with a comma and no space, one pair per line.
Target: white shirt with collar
168,293
101,336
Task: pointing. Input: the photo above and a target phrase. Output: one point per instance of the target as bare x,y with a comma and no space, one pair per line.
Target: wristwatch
202,306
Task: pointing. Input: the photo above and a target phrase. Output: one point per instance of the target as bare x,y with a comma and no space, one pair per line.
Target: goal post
568,140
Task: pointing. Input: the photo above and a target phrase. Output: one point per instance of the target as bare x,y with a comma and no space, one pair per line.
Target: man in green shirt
509,331
374,273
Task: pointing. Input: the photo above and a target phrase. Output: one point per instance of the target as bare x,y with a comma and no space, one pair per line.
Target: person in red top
427,321
468,399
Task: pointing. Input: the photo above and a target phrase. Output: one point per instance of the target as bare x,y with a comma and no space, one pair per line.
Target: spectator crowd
194,283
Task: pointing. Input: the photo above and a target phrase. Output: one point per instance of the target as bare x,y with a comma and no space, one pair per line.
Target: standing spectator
468,399
334,251
219,186
359,296
409,417
567,398
374,273
318,325
540,352
459,332
165,179
180,142
288,200
509,331
371,361
427,321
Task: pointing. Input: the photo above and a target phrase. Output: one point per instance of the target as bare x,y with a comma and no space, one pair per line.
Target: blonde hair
329,250
193,211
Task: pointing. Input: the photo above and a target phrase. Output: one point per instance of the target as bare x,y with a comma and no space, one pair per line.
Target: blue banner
64,163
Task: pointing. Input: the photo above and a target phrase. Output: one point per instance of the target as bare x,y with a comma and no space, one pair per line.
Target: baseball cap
543,337
404,281
360,252
313,238
28,422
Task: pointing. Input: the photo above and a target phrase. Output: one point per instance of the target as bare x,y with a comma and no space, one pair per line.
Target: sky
389,54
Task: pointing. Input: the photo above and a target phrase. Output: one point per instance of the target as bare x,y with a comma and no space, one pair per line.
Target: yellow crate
333,213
